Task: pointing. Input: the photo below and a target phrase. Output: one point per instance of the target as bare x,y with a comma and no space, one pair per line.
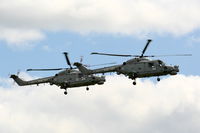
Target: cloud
172,105
129,17
19,36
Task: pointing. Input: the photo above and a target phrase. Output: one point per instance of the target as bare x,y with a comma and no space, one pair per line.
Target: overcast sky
33,34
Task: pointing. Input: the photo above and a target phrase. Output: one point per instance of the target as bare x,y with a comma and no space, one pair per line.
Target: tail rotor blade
81,59
18,72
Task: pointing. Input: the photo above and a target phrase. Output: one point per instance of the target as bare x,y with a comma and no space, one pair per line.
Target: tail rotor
17,74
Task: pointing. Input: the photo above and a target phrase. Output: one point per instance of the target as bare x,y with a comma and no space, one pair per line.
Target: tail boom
84,70
21,82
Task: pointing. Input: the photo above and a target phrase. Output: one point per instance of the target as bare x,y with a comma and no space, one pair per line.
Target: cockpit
161,63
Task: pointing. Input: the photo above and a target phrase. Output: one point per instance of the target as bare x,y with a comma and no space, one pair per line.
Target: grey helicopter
138,67
67,78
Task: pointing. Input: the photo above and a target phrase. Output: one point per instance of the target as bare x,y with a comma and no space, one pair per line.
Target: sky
34,34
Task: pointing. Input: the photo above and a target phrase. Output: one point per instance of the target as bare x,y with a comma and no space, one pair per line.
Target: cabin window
152,66
80,75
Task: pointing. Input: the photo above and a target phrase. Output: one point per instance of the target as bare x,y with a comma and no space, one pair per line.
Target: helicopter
67,78
137,67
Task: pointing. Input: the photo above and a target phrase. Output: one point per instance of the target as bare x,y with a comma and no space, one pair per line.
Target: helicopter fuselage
73,78
142,67
65,79
135,68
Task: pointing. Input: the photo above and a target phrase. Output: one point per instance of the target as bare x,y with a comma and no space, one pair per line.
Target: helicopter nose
173,70
101,80
176,68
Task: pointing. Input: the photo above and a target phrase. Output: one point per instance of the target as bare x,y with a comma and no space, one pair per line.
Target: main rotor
69,64
55,69
142,54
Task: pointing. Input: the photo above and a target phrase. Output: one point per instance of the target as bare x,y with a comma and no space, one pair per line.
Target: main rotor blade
100,64
67,59
123,55
145,48
168,55
45,69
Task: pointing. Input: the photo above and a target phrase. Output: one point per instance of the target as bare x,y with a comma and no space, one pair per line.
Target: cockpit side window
150,64
160,63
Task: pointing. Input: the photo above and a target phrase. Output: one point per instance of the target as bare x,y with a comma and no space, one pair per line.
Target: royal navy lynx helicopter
138,67
67,78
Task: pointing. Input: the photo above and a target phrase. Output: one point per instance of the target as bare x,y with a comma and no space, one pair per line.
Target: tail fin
19,81
83,69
